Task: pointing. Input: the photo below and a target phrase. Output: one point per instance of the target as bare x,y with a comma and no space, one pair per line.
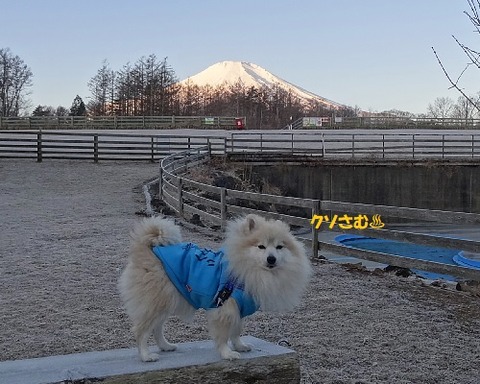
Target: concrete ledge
196,362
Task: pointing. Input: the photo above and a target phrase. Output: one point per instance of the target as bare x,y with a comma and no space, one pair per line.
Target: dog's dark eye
261,246
279,246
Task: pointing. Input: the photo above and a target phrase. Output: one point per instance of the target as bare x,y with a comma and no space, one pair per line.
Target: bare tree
15,79
441,108
473,56
125,93
465,108
101,87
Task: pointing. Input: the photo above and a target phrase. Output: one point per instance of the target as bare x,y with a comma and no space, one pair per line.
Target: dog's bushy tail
154,231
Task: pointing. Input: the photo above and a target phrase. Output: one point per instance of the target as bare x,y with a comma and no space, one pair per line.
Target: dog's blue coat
200,274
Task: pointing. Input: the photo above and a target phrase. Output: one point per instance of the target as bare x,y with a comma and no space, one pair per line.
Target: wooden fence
383,122
43,145
99,146
355,144
215,205
229,122
119,122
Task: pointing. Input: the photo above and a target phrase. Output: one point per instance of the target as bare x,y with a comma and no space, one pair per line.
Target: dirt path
63,242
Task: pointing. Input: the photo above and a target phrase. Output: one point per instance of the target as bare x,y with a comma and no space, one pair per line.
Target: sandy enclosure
64,239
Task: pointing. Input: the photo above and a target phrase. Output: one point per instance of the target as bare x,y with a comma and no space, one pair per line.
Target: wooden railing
119,122
373,146
383,122
94,146
216,205
359,145
230,122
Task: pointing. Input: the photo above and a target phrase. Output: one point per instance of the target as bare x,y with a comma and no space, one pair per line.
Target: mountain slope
230,72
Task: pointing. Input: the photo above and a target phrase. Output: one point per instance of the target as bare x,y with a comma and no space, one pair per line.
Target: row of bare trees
144,88
446,108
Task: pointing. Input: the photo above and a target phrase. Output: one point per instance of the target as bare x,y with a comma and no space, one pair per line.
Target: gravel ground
64,236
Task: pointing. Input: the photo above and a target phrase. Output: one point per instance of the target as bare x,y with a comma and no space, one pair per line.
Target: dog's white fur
150,298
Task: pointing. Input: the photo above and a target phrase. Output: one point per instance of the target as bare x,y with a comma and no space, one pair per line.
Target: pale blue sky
375,54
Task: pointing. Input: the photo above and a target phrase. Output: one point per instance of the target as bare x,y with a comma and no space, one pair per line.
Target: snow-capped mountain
230,72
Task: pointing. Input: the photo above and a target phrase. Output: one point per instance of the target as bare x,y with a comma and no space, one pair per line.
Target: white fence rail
98,146
120,122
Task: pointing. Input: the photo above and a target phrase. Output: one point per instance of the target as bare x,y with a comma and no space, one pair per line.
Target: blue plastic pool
423,252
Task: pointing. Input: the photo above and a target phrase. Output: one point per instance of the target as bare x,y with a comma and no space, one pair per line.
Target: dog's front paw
228,354
149,357
167,347
242,347
239,346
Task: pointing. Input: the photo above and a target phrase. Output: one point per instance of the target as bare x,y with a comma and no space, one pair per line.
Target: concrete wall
443,187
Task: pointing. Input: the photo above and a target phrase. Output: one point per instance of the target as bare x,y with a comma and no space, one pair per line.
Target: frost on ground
64,240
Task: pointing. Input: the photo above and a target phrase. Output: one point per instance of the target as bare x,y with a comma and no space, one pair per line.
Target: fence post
223,208
160,182
39,147
180,196
95,148
443,146
473,146
315,211
152,159
383,146
413,146
324,150
353,146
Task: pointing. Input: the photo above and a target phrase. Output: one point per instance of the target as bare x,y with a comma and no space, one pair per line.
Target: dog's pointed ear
250,223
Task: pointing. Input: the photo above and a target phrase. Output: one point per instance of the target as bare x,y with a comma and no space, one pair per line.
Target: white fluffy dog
262,266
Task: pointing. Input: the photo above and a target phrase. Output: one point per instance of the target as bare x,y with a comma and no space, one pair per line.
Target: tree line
464,108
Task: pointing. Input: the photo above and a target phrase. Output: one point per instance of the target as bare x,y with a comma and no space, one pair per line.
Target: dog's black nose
271,260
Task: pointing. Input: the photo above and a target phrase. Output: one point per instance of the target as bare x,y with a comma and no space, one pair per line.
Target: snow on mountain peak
251,75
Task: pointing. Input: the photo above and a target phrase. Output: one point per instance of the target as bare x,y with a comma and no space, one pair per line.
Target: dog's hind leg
162,343
142,334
